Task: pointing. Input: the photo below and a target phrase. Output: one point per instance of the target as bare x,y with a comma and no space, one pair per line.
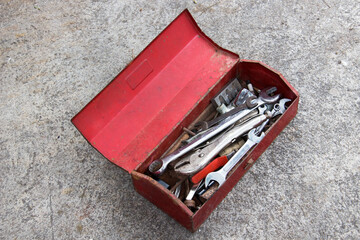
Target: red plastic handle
218,162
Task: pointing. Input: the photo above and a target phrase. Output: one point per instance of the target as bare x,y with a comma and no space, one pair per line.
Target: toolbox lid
142,105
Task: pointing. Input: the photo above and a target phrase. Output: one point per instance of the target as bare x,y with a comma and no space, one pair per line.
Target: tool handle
215,164
238,156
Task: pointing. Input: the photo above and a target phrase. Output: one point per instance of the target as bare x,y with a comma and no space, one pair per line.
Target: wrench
177,191
279,108
158,166
244,100
242,96
264,96
193,190
188,200
199,159
203,125
220,175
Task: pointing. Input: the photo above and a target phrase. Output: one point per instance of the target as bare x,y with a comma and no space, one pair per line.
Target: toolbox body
140,114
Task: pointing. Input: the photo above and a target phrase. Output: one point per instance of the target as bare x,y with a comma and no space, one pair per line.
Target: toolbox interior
260,76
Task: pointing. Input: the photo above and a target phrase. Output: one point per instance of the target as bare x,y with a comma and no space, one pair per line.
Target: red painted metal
143,110
261,76
212,166
162,198
147,100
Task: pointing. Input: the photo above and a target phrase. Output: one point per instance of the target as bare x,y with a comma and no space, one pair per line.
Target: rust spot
135,176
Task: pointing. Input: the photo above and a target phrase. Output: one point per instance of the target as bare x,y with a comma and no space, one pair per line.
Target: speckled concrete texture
55,56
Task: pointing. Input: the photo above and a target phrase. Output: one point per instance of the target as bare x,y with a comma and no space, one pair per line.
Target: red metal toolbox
139,115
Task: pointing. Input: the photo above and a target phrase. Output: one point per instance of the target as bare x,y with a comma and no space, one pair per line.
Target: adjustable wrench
220,175
158,166
199,159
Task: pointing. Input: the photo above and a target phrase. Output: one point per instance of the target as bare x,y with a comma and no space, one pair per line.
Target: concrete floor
55,56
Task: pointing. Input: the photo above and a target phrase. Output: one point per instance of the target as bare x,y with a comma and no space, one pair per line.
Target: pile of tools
195,170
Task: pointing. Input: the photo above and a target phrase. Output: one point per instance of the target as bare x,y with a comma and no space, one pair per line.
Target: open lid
142,105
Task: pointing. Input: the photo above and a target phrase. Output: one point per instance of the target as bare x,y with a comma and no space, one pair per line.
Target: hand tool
188,131
279,108
177,191
199,159
242,96
219,162
232,148
264,96
227,94
250,86
184,137
158,166
176,188
203,125
220,175
208,191
244,100
193,190
212,166
188,200
222,109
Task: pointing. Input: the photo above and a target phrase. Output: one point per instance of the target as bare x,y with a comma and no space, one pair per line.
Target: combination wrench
158,166
203,125
220,175
199,159
244,100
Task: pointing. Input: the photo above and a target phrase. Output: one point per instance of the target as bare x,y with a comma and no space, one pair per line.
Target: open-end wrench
220,161
193,190
199,159
188,199
214,165
158,166
264,96
245,100
220,175
279,108
203,125
243,95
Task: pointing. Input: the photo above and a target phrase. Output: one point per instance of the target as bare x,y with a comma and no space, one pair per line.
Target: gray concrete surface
56,55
